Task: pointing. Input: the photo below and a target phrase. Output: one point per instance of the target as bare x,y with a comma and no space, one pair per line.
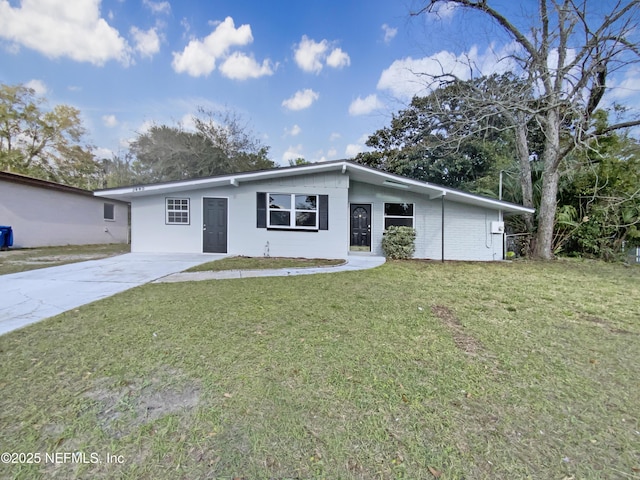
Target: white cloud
334,136
188,122
626,87
293,131
38,86
239,66
101,152
338,59
157,7
353,149
389,33
199,57
408,77
311,56
301,99
292,153
147,43
64,28
109,121
364,106
145,126
445,10
332,152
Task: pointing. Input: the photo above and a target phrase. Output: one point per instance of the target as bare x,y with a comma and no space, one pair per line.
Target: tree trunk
550,178
526,183
547,216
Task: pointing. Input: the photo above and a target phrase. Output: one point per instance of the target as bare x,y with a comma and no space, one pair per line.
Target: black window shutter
323,220
262,210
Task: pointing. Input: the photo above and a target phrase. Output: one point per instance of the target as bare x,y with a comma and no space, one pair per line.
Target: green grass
24,259
260,263
477,371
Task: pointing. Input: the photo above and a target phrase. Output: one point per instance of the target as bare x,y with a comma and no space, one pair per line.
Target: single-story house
43,213
321,210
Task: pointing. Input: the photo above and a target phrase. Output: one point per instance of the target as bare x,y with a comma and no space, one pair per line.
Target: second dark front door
360,227
214,225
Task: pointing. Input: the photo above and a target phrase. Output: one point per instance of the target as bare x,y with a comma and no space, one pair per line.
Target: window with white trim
177,211
292,210
109,212
398,214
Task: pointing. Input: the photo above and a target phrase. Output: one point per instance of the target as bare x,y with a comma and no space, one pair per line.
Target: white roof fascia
392,181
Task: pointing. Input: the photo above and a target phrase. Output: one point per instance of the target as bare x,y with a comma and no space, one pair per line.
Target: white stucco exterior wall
467,228
42,217
150,233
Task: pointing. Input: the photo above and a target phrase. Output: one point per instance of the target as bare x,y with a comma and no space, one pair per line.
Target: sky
311,79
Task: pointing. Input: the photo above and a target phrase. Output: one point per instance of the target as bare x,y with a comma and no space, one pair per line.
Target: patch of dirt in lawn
124,407
57,259
463,341
606,325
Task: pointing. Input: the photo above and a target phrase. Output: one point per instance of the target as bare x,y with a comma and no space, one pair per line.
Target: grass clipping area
411,370
24,259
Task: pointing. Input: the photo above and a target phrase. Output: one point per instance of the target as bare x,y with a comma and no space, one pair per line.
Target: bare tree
566,55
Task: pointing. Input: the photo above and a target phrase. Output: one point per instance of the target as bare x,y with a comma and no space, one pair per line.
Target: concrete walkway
29,297
353,263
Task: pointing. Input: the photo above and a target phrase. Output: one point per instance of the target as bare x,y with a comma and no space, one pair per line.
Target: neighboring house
43,213
323,210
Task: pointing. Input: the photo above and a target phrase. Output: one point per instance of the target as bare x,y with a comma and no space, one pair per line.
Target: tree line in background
50,144
540,128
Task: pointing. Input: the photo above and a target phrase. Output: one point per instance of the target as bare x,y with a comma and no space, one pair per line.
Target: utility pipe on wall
442,227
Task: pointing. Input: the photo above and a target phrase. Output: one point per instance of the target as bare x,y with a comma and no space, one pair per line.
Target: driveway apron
29,297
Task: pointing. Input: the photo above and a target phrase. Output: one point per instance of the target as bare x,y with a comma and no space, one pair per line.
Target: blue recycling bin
6,237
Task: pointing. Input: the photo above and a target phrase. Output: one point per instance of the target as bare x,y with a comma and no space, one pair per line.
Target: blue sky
312,78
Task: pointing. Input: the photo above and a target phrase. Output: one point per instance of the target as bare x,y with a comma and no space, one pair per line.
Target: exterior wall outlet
497,227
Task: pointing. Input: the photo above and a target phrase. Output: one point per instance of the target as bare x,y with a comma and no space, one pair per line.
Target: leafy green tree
117,172
44,143
219,145
599,202
446,137
298,161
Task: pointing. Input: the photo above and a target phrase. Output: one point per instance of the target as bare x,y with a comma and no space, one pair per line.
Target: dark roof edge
39,183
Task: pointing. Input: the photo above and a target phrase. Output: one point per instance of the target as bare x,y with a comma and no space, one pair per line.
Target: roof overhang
356,172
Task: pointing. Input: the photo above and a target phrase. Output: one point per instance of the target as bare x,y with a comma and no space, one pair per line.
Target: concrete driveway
29,297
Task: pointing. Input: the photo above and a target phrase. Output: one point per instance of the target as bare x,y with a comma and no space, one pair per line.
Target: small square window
177,211
109,212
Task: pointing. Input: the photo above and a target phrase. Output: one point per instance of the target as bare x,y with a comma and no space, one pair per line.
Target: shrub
398,243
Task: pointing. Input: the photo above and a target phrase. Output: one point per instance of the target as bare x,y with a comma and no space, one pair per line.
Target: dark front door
214,225
361,227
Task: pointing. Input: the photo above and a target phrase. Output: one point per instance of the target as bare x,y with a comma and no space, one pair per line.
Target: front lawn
412,370
261,263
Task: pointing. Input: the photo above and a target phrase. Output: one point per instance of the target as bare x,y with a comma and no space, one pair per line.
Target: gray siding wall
467,230
42,217
150,234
